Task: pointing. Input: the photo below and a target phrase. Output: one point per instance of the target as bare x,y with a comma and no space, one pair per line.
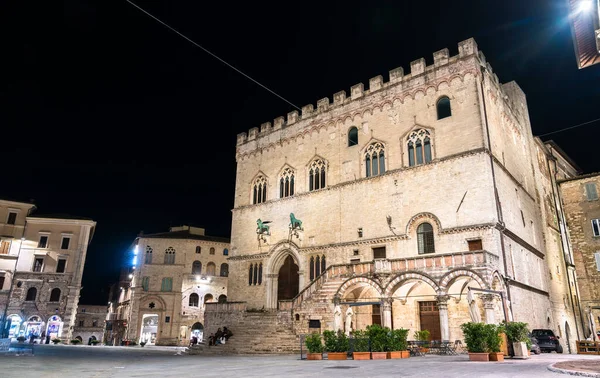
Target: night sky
107,114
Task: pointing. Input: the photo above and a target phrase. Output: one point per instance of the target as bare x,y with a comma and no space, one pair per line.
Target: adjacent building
42,260
584,19
89,323
582,206
422,202
161,299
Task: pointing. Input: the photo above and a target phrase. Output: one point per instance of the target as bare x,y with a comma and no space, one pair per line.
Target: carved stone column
386,308
489,306
442,302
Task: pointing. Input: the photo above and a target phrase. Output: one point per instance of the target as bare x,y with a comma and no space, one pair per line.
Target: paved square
98,361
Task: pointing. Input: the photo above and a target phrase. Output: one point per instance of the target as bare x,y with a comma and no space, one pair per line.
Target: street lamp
585,6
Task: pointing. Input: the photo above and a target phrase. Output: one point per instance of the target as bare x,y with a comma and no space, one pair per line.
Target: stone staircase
257,333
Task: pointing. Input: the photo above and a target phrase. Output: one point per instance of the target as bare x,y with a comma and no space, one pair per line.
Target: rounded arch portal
284,273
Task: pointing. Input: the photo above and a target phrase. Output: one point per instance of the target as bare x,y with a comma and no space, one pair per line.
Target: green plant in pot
397,344
336,345
494,341
75,341
378,336
476,335
360,346
423,337
56,340
517,334
315,346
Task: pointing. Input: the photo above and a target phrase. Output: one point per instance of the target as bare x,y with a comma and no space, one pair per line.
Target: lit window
375,159
425,238
443,108
259,190
419,147
352,136
316,175
286,183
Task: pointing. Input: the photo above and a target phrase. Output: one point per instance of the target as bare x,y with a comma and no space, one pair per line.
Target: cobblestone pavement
98,361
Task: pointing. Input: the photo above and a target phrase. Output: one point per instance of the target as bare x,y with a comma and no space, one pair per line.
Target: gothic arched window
250,270
425,238
194,300
443,108
148,259
375,159
316,175
197,267
260,274
259,190
352,136
31,294
55,295
419,147
170,255
286,183
312,268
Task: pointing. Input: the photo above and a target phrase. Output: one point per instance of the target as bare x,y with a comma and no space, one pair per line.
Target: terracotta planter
398,354
479,356
337,356
497,356
378,355
405,353
361,355
314,356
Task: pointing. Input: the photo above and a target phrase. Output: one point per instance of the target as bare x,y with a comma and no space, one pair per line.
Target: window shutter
590,191
597,255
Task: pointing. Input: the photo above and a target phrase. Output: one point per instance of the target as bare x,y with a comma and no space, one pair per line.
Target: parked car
535,348
547,340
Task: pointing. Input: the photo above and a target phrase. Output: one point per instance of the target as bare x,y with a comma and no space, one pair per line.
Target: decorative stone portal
288,280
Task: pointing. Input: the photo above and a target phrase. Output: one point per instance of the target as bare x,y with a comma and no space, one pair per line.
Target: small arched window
212,251
425,238
210,268
208,298
31,294
443,108
286,183
375,159
419,147
225,252
170,255
198,249
194,300
197,267
316,175
55,295
222,298
352,136
148,259
224,270
259,190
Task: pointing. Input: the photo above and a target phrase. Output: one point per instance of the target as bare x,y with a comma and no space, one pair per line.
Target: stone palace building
422,202
41,266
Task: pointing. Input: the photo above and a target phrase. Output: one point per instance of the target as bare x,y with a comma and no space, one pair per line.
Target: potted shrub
314,346
336,345
75,341
517,334
378,337
360,346
56,340
21,339
476,340
397,344
422,336
494,341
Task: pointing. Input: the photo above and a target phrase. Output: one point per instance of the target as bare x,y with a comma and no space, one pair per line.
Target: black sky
109,115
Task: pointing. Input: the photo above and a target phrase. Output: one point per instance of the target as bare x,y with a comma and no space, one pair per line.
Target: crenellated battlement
420,73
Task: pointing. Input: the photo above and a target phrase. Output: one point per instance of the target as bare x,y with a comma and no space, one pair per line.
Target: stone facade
89,323
174,274
43,293
580,199
411,195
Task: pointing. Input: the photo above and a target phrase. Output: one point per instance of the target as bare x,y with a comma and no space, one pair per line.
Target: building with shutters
161,299
582,207
41,267
422,202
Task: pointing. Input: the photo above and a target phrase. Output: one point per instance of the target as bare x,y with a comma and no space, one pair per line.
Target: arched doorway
54,327
288,279
149,329
198,331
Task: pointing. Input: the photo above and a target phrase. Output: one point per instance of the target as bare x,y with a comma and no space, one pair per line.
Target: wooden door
430,319
288,282
376,314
